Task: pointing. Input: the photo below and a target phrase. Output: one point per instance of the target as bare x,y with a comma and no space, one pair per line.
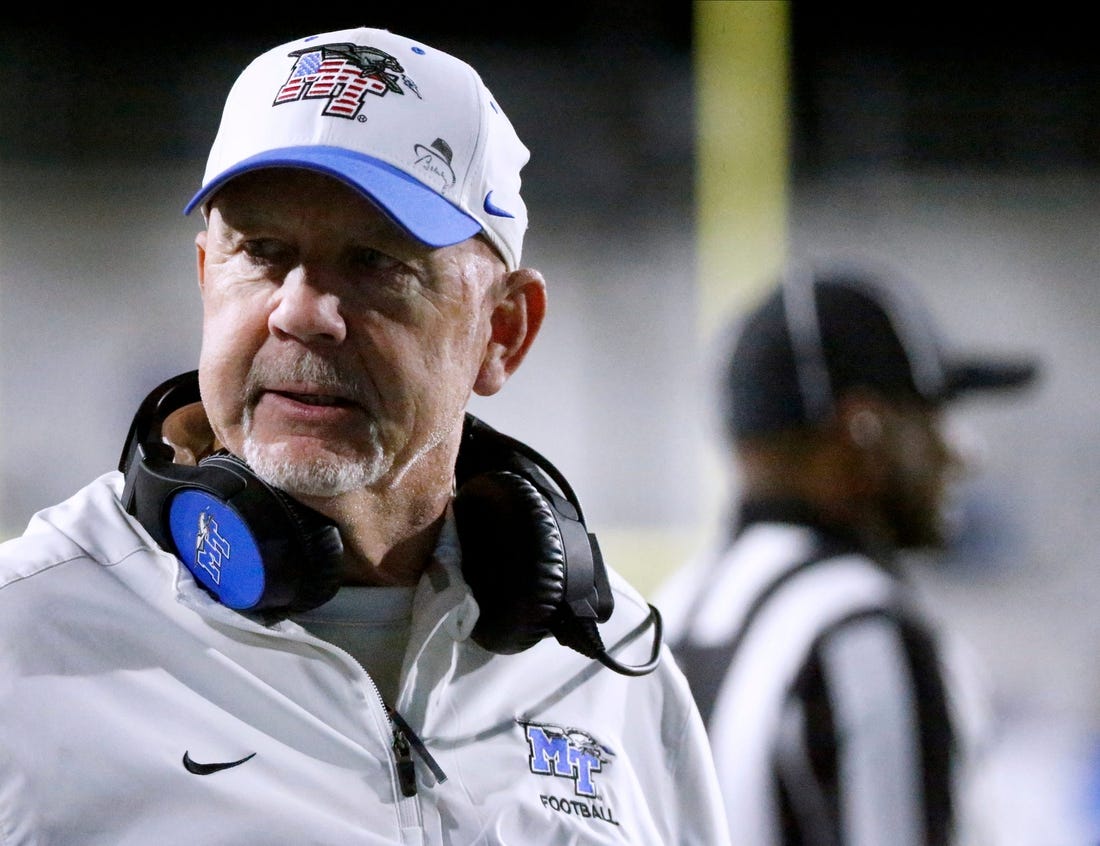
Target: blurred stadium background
679,150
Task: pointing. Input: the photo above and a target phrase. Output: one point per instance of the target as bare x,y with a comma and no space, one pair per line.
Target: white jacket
114,665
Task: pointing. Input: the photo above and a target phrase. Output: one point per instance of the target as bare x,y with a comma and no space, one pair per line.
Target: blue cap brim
424,214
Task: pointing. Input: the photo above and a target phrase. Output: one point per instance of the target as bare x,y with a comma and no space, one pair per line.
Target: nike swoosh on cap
206,769
494,209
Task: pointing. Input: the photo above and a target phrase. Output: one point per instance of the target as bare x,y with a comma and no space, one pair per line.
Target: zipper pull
406,771
409,738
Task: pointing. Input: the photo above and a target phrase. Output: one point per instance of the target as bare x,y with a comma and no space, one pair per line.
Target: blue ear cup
218,547
251,545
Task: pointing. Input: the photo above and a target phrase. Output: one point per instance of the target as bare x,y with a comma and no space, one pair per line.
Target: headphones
527,555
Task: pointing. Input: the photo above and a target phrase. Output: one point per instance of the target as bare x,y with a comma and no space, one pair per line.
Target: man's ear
864,427
200,256
861,427
514,322
862,417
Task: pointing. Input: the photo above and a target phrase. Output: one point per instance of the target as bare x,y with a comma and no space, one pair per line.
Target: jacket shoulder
91,525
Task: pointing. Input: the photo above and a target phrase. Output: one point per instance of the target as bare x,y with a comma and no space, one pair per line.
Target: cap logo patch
343,74
434,164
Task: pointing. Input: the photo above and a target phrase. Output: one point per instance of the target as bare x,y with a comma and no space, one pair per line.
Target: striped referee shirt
821,686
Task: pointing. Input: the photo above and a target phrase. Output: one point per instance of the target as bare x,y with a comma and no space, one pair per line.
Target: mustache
325,374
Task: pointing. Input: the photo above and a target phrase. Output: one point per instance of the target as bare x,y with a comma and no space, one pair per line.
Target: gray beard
324,475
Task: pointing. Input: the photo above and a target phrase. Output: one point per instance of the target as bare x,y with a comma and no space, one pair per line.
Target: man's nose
307,310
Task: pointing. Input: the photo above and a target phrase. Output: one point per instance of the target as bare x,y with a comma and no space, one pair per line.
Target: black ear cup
513,558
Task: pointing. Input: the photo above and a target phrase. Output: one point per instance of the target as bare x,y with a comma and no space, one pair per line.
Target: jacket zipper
404,766
404,738
404,741
406,770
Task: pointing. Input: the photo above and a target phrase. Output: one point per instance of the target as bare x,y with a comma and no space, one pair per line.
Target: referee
831,701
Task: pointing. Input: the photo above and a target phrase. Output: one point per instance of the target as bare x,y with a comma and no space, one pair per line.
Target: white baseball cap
411,127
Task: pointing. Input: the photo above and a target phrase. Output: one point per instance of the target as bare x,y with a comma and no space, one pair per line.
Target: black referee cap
821,332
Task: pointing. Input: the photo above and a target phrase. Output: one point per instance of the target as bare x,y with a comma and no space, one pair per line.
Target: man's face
921,467
337,352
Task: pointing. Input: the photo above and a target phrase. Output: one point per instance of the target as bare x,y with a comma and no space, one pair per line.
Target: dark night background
928,84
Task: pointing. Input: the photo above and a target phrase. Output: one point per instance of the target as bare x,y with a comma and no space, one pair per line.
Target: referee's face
921,466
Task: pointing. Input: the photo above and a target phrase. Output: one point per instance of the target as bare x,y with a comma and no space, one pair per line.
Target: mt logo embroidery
343,74
567,753
571,754
211,549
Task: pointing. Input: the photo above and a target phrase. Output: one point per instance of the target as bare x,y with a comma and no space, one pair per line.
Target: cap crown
402,122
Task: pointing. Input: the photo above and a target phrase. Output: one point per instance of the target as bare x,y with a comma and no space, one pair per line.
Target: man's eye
267,250
368,258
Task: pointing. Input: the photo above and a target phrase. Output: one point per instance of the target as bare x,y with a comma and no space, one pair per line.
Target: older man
319,602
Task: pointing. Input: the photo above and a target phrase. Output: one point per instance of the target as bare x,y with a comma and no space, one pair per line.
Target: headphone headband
532,564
